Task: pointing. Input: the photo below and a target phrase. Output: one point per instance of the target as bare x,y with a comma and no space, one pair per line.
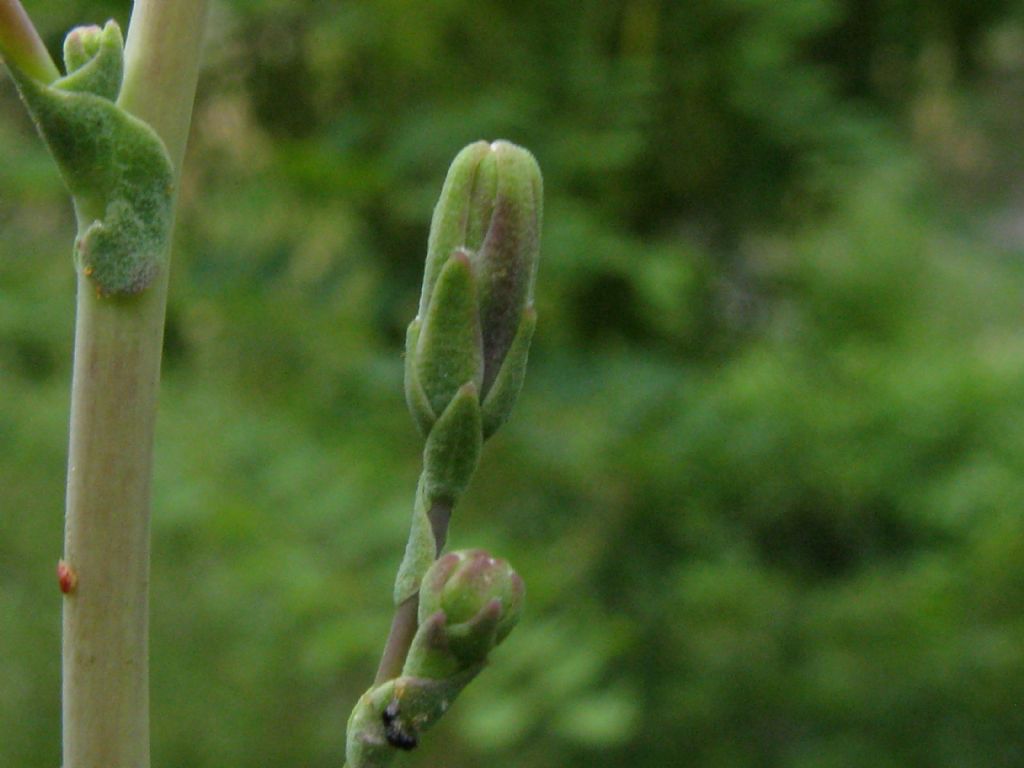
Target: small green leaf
114,165
420,550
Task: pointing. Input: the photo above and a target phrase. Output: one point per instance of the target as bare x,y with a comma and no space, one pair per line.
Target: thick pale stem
105,655
161,65
113,409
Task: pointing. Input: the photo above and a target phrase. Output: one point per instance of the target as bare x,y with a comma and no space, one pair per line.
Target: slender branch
404,623
21,45
113,410
403,629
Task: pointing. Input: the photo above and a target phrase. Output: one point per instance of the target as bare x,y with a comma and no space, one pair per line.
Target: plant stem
21,45
405,621
106,537
161,65
403,629
113,411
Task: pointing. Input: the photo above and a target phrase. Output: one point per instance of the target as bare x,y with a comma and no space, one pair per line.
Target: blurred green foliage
766,476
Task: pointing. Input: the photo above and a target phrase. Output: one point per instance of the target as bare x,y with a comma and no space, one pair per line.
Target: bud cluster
465,360
469,603
467,347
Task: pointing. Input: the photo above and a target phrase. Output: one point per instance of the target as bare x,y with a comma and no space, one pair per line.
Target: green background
765,479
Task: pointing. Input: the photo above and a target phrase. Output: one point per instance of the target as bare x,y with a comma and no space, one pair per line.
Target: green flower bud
81,45
473,589
94,58
469,602
476,313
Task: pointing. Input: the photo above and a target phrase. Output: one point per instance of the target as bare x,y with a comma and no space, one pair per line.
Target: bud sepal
448,350
415,397
505,390
476,592
453,447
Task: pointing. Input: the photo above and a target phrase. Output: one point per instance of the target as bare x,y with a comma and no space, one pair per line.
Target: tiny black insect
394,731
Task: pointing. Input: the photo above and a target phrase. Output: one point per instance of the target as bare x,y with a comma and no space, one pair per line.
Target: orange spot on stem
66,577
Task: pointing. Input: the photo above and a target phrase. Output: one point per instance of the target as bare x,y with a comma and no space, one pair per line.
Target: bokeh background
765,480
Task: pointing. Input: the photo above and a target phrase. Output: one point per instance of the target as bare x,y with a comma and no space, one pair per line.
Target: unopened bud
469,602
80,45
94,59
471,587
476,315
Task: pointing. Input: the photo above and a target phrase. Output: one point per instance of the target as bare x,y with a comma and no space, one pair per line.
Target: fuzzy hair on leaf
115,166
